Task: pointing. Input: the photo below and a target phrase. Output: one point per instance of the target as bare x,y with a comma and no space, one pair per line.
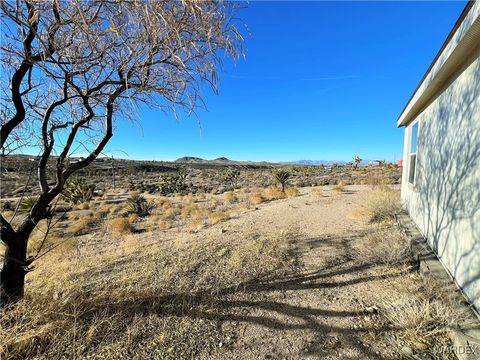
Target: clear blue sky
321,81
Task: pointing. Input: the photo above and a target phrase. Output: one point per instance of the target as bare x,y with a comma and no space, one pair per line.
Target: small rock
371,309
407,350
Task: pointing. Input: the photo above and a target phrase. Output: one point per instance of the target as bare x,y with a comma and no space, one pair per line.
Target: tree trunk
12,277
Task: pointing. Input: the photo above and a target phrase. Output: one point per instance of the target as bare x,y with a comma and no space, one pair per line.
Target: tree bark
15,264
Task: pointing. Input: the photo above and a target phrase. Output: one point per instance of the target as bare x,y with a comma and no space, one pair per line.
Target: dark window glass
411,173
413,154
413,143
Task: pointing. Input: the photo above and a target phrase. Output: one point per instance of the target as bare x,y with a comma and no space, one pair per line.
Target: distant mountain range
326,162
224,160
193,159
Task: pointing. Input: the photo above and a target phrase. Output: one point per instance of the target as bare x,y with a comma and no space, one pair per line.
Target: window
413,153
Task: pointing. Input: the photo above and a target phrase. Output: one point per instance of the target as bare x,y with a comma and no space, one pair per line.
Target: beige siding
445,200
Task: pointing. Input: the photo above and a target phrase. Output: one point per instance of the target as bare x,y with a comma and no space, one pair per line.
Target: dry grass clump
383,203
291,192
170,213
229,197
386,246
419,313
218,216
82,225
120,225
196,224
256,198
188,209
273,193
214,203
338,188
163,204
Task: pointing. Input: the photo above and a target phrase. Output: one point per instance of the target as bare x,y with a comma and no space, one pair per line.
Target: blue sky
321,80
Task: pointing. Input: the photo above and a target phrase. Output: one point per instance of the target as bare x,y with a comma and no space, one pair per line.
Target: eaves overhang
460,49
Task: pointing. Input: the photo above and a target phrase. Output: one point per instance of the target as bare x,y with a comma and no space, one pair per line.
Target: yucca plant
78,190
139,205
28,202
281,176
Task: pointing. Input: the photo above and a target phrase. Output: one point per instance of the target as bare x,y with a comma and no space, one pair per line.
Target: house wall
444,201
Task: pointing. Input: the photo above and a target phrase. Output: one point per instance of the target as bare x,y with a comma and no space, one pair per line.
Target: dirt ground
317,312
178,293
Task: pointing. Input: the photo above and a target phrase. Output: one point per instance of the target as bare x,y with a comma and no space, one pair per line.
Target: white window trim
410,137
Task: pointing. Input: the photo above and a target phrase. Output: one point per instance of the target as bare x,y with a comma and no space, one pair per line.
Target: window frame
412,172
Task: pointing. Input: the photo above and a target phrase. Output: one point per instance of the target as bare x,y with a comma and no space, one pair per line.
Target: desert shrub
214,203
120,225
139,205
273,193
78,190
291,192
231,176
383,203
281,177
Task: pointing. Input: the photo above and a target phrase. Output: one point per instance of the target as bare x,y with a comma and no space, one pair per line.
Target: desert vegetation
173,276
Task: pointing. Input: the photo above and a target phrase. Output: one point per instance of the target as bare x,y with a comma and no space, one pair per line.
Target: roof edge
402,118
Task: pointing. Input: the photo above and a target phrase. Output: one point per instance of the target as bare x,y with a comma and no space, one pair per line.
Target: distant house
441,159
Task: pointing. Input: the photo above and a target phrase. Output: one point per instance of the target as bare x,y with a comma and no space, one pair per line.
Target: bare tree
73,65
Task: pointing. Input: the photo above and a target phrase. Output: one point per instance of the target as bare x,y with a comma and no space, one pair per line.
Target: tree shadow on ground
256,302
